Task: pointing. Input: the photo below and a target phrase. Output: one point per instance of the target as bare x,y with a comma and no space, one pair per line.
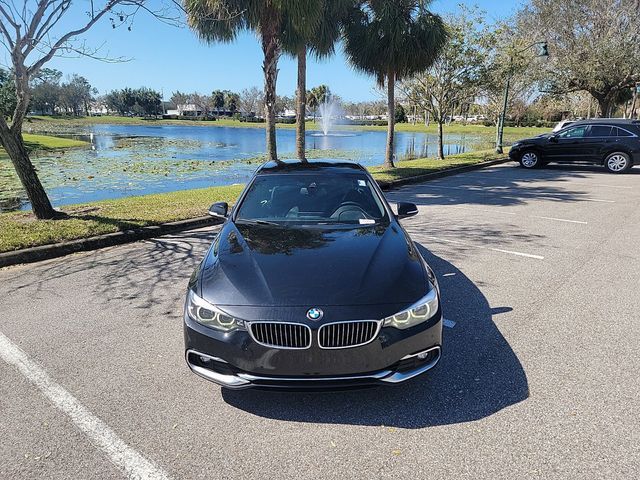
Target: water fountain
329,110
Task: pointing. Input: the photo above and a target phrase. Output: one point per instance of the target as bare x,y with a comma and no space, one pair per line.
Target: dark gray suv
614,143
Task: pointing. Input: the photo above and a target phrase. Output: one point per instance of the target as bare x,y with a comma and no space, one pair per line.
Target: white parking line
550,179
597,200
479,188
486,210
511,252
124,457
560,219
601,185
499,212
520,254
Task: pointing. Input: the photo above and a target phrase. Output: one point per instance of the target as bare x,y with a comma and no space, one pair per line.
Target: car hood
262,265
538,139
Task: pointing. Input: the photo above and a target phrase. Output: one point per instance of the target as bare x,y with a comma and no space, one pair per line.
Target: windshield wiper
251,221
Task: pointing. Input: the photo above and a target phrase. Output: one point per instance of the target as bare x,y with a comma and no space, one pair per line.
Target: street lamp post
543,52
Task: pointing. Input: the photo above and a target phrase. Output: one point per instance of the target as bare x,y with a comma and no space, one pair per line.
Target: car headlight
201,311
419,312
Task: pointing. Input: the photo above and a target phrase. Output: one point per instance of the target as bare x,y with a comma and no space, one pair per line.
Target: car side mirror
406,209
553,138
219,209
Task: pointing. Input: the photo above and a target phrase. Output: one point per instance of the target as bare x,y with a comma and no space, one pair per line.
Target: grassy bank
421,166
44,142
21,230
41,123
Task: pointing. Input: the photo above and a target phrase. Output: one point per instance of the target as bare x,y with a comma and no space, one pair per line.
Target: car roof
609,121
298,166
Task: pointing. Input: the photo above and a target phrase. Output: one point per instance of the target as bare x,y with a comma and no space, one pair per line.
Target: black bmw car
614,143
312,283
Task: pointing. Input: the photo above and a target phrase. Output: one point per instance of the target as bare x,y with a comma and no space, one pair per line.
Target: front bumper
235,361
410,366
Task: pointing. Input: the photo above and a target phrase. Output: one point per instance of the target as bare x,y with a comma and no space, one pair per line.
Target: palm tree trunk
271,50
301,103
440,142
391,112
14,146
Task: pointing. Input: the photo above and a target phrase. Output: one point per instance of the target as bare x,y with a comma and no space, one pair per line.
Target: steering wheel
348,207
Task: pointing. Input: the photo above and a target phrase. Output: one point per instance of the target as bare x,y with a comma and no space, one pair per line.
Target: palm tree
223,20
217,99
319,36
312,103
393,39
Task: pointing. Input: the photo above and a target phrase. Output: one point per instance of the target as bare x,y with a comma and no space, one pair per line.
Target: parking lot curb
46,252
390,185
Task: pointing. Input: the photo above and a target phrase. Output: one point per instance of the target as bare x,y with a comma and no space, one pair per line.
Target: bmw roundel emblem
314,314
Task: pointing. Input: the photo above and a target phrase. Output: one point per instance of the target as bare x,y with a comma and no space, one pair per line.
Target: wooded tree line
248,102
49,94
138,101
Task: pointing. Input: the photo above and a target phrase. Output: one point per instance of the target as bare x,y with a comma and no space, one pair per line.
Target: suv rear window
601,131
620,132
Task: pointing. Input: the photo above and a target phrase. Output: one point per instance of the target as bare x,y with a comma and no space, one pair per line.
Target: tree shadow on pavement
151,274
505,186
478,375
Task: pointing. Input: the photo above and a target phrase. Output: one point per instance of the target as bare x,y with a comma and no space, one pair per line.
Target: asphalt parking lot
539,271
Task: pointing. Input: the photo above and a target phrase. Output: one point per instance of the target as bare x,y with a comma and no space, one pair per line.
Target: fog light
204,360
423,355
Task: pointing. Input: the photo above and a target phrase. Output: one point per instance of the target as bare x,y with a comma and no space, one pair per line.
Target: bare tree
453,78
33,35
251,101
202,103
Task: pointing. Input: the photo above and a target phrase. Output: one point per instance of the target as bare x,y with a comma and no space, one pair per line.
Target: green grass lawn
21,230
40,122
420,166
44,142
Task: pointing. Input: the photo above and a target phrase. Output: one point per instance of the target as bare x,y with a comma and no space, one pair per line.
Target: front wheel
530,159
617,162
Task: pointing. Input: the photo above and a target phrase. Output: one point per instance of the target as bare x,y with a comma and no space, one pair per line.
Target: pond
126,160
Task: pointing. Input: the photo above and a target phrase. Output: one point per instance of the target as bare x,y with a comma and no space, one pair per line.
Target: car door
599,140
568,145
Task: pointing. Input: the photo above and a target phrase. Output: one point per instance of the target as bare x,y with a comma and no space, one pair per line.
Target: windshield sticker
362,183
366,221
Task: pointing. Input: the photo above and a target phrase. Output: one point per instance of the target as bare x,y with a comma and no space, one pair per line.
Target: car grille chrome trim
293,336
348,334
376,376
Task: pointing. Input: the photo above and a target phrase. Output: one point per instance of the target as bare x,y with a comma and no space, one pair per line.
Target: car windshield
312,198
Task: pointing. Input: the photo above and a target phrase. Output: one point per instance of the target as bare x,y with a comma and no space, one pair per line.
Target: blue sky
167,58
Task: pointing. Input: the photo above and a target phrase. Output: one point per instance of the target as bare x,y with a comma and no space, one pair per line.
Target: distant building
188,110
366,117
98,108
288,113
